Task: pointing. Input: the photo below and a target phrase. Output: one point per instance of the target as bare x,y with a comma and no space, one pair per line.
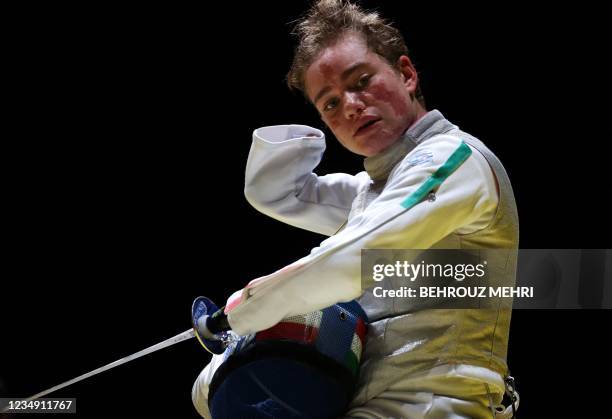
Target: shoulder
435,152
447,157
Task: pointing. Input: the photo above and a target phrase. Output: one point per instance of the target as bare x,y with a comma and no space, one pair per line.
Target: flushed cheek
382,94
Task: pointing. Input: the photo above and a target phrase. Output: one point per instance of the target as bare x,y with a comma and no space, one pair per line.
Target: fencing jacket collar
432,123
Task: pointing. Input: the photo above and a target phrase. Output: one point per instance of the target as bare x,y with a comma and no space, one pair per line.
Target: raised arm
280,182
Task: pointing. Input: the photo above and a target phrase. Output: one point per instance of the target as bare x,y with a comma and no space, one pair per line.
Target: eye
330,105
363,81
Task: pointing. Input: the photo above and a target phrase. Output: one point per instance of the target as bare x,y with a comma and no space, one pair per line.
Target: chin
371,147
369,151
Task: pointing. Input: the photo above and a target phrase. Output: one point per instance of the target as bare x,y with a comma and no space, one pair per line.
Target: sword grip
218,322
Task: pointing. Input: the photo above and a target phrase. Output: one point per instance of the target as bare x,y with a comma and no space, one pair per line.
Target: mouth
366,127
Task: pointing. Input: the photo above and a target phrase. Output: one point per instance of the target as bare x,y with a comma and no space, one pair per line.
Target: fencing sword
209,325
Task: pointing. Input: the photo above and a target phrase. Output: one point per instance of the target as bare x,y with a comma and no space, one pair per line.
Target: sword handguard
210,325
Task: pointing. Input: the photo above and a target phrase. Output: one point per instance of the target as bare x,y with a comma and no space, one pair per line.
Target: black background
126,136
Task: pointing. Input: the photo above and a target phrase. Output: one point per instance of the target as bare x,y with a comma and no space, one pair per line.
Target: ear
408,73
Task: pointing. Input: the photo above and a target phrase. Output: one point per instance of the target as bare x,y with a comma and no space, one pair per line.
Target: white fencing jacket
436,187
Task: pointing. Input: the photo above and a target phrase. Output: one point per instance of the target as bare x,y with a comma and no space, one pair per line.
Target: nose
353,105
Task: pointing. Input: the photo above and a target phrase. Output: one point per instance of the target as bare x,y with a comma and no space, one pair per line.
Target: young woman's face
364,101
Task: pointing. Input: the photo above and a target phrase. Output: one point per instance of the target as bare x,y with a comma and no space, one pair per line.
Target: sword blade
188,334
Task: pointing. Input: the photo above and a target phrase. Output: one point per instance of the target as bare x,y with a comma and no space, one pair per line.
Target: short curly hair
329,20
